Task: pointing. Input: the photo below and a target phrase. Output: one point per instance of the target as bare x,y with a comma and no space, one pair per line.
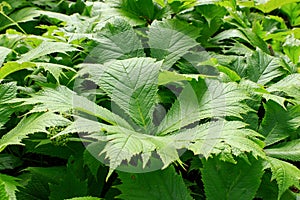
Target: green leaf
213,15
166,184
10,186
3,53
285,174
231,181
204,99
292,10
32,124
60,16
245,34
279,100
229,34
183,112
9,161
266,5
224,138
255,40
287,151
290,85
82,125
91,160
8,91
238,64
122,144
5,112
291,48
70,186
269,5
132,85
230,73
166,77
34,187
171,39
278,123
268,189
85,198
262,68
117,40
3,195
46,48
11,67
48,174
55,69
141,8
63,99
110,12
22,15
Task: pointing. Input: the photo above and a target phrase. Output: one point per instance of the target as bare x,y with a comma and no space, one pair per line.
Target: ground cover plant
149,99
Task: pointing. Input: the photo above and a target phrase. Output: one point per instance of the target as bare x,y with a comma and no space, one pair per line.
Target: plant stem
14,22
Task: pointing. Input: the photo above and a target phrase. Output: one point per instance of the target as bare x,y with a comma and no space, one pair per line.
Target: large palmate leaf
279,123
34,123
286,174
262,68
286,151
121,144
166,184
225,138
171,39
204,99
231,181
132,85
9,184
46,48
116,41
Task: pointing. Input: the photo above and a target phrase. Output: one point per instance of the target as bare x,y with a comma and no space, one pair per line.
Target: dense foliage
142,99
